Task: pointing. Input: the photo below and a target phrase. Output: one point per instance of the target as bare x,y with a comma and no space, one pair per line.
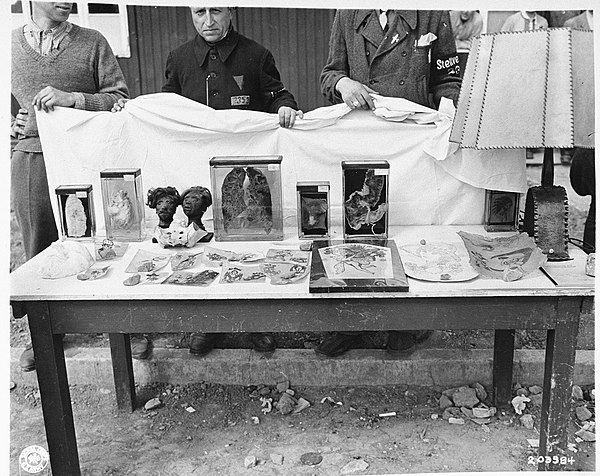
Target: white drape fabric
172,139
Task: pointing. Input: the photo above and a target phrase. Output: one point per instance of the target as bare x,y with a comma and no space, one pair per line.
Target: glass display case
247,198
501,211
123,201
313,210
365,196
76,211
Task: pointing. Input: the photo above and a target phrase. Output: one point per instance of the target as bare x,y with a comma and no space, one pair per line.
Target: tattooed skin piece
361,207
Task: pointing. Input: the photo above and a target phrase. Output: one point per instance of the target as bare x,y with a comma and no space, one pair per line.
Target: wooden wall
298,39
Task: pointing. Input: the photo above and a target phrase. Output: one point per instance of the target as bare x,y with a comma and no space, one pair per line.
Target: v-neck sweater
84,63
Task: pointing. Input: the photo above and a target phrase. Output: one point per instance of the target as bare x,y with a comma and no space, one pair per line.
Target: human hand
119,105
18,126
49,97
287,116
355,94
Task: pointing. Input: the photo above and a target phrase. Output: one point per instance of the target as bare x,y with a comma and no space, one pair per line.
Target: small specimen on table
183,261
146,262
281,255
132,280
236,274
361,207
203,278
93,273
109,249
120,210
284,273
75,217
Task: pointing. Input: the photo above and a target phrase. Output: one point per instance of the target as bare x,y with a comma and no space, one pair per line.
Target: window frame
121,48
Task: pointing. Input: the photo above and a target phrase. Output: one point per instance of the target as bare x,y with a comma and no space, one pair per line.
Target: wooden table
70,306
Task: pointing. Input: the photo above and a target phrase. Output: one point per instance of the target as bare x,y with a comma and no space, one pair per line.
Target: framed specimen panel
356,266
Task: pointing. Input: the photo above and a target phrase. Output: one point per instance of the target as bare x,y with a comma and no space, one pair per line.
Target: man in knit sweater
54,63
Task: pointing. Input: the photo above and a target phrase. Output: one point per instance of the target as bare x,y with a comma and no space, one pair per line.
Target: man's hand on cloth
17,129
355,94
287,116
49,97
119,105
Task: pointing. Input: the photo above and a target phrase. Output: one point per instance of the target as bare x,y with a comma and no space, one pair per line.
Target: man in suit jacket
400,53
585,21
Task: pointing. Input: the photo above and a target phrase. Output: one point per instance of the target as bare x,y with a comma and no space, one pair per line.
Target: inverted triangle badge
240,81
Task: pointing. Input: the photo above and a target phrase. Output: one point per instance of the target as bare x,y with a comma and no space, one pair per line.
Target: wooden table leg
558,382
504,349
54,391
120,352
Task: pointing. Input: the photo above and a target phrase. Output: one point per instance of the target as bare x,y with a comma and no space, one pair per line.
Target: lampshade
531,89
528,89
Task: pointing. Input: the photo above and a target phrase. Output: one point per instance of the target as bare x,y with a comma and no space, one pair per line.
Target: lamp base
546,220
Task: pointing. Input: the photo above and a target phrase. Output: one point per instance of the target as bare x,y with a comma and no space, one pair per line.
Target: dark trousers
31,201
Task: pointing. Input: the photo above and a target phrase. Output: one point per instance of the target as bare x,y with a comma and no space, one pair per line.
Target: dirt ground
226,426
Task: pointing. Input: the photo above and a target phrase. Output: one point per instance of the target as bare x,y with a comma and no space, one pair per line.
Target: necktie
383,19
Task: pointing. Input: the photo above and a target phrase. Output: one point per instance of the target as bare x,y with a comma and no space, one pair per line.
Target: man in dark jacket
226,70
583,180
399,53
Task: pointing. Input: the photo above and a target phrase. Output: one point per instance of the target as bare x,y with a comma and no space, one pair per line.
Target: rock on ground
152,404
577,393
583,413
250,461
465,397
527,421
354,466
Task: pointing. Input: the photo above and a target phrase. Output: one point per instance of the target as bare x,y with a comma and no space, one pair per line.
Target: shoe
403,342
262,342
201,343
139,347
27,360
337,344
